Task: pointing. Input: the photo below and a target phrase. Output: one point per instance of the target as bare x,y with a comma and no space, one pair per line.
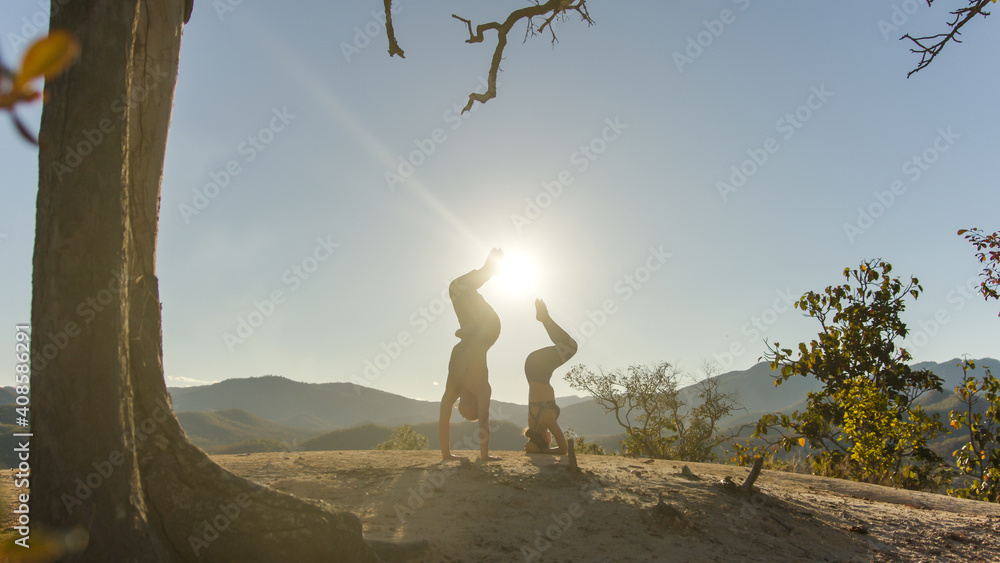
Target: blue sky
676,174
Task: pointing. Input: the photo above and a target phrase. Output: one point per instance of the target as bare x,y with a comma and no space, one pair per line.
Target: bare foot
541,311
450,456
489,458
492,265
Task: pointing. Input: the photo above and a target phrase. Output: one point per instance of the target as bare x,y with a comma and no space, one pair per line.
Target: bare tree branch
930,46
554,9
394,48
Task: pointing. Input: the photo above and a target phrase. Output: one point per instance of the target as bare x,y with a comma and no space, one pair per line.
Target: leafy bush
979,458
404,438
864,423
581,446
988,246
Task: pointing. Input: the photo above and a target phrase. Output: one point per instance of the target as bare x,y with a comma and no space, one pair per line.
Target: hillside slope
221,428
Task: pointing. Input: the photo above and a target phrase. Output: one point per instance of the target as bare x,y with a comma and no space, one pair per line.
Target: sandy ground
532,508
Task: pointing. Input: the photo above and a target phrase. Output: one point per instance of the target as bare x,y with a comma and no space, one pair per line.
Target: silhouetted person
467,374
538,367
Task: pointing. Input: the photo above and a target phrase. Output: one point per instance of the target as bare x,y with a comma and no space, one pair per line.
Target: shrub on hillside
404,438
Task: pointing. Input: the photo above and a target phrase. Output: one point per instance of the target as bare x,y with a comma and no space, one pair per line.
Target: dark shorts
535,432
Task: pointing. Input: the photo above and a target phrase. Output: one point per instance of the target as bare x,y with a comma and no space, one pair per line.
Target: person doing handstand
468,383
538,367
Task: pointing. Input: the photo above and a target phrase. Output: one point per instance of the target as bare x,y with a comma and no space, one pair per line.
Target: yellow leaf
802,441
47,57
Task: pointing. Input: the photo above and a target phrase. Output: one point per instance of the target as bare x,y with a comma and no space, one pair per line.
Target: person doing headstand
468,383
538,367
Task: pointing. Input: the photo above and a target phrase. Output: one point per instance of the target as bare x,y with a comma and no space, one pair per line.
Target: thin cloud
187,381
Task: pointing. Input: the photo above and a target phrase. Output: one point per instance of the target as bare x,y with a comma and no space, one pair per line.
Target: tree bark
107,453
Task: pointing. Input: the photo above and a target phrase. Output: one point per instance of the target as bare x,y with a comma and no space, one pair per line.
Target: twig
928,51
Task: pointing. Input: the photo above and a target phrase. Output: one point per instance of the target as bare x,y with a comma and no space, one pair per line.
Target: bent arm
561,446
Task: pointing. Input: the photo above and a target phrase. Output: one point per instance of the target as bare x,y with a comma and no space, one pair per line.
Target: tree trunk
107,454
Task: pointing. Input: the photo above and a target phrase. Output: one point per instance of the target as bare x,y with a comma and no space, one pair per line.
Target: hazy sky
677,174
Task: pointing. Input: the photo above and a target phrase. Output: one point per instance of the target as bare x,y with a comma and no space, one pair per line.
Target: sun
518,273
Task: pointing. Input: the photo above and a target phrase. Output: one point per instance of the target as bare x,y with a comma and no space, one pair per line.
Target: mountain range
331,406
303,408
273,412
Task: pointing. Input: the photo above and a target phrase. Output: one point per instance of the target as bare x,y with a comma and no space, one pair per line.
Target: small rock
686,473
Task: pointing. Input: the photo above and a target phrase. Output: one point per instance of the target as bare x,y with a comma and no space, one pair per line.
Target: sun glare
517,274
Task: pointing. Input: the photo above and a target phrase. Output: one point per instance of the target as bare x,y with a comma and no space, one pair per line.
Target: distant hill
505,436
7,395
363,437
321,406
951,372
209,430
572,400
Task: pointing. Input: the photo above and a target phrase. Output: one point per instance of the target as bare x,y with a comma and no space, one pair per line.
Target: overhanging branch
551,8
930,46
